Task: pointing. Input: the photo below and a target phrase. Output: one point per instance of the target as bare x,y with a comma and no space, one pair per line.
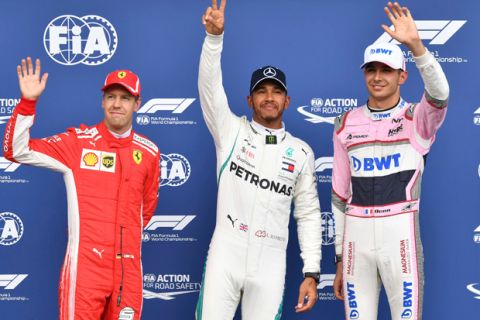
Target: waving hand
405,31
31,85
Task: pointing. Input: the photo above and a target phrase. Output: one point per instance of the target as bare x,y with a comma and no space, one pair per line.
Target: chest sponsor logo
356,136
288,166
258,181
98,160
137,156
395,131
376,163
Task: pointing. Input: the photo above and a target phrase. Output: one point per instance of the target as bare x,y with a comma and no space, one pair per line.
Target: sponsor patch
98,160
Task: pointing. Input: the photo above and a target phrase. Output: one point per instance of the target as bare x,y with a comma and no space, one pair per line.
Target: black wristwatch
314,275
338,258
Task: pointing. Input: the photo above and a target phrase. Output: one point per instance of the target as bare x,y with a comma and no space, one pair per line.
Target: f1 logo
175,222
8,166
11,281
325,281
438,31
161,104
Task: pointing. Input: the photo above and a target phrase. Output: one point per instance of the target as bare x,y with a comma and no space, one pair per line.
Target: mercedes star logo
270,72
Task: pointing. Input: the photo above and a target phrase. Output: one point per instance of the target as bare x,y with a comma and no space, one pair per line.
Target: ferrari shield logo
137,156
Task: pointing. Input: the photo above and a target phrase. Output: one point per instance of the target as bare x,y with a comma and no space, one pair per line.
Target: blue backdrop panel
319,44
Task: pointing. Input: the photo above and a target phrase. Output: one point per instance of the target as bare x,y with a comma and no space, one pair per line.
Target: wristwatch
314,275
338,258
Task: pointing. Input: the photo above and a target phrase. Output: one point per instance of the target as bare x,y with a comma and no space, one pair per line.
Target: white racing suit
379,159
257,183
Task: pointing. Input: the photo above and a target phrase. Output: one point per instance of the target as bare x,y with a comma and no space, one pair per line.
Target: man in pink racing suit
379,156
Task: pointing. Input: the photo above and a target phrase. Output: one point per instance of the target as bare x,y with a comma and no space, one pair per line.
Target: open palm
29,80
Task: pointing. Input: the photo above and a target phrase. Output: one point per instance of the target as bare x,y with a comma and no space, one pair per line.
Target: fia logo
175,170
71,40
11,228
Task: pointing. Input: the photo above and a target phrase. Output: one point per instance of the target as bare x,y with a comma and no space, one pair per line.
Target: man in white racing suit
379,157
261,169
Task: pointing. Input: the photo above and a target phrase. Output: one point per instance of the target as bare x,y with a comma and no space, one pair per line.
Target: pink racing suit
379,159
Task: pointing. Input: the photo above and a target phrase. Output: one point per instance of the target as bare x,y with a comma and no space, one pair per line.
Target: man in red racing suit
111,176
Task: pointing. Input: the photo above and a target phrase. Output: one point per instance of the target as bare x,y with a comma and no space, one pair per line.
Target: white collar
268,131
122,135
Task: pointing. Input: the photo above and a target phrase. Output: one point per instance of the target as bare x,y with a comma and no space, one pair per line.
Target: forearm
434,79
17,131
307,214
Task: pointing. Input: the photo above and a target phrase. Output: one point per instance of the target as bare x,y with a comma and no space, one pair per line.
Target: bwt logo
379,163
407,300
328,228
11,228
175,170
475,289
326,280
381,51
438,31
7,165
323,163
174,222
11,281
71,40
175,105
352,301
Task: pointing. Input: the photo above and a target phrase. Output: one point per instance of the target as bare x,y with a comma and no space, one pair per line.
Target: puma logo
231,219
98,252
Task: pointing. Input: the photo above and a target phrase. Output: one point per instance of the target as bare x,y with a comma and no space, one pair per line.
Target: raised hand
31,85
214,18
405,31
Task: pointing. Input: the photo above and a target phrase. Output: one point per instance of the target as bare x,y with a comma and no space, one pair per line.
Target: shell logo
90,159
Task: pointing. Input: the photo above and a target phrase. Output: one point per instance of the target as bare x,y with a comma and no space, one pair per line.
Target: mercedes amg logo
270,72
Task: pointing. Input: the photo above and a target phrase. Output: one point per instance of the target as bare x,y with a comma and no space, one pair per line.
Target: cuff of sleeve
213,38
424,59
26,107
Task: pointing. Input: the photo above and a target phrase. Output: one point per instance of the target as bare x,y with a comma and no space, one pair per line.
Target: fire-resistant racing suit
256,185
379,159
112,191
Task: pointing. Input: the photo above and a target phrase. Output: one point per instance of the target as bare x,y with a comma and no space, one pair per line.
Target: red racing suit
112,192
378,162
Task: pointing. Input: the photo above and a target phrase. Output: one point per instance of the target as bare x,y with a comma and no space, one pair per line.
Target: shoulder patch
340,122
410,110
145,142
